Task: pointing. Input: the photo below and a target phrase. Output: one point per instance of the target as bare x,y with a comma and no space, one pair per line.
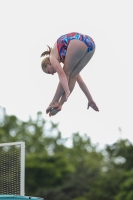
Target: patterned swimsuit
63,42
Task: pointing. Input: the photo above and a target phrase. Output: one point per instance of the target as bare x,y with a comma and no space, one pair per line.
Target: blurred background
78,154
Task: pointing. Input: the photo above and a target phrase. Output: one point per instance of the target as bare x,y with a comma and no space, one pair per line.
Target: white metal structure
12,168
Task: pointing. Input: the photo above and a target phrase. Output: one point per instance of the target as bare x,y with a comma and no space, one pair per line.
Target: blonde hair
46,60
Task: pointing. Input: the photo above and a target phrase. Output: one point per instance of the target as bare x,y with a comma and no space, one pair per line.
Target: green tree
120,154
37,137
44,171
126,187
86,162
81,172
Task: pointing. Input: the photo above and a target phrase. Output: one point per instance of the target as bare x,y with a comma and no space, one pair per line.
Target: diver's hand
93,105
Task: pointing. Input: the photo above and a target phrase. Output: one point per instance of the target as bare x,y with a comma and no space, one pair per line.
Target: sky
26,27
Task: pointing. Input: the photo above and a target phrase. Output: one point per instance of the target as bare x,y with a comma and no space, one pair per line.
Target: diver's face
50,69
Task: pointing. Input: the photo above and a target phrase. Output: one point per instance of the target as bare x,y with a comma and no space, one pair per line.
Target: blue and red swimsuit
63,42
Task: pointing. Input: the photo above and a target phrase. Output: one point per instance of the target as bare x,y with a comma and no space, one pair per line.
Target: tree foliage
80,172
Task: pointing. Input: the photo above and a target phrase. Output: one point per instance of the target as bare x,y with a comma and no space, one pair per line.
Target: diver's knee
73,75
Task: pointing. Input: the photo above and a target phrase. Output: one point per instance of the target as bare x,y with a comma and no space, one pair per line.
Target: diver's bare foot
51,106
54,111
